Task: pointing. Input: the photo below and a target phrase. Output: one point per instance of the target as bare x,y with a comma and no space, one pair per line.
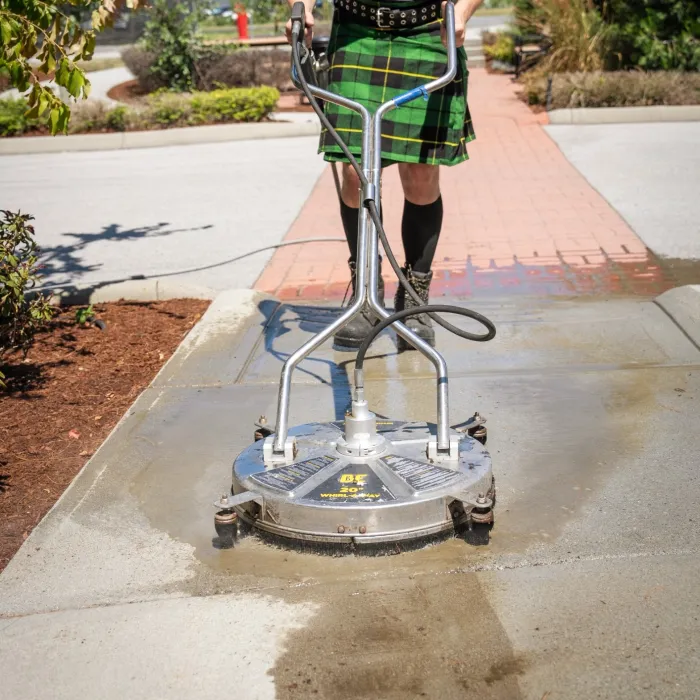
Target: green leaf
76,82
63,117
53,121
63,73
19,75
43,103
33,113
5,31
50,62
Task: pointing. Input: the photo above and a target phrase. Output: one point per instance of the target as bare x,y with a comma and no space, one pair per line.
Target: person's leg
422,214
354,333
420,231
350,206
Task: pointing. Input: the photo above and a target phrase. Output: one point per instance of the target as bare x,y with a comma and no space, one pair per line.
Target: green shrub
227,65
614,89
13,121
243,68
171,36
654,34
527,16
579,38
502,47
117,118
234,105
168,108
20,317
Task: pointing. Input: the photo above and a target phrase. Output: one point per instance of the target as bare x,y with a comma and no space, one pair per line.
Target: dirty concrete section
417,638
587,588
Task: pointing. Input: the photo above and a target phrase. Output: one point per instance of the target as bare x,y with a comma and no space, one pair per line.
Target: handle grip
299,15
300,49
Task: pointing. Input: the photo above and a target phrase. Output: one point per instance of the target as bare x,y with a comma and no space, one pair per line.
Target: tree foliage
172,37
648,34
269,10
655,34
51,33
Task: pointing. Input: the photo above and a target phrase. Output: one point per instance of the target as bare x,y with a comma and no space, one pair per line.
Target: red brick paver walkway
518,216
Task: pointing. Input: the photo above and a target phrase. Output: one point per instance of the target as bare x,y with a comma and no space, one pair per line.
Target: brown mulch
129,92
64,398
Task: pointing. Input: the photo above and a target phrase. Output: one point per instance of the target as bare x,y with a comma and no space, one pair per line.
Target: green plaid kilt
372,66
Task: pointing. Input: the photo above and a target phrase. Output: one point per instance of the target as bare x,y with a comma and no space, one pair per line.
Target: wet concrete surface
588,587
567,274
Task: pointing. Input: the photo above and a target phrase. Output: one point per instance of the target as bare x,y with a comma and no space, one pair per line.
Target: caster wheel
479,535
226,524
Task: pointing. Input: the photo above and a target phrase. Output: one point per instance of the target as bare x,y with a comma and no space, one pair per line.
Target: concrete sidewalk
588,588
649,173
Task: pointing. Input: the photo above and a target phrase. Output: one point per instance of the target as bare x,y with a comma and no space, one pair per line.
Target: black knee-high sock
420,230
351,218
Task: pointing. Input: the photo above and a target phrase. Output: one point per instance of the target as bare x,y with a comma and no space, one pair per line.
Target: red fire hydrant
242,21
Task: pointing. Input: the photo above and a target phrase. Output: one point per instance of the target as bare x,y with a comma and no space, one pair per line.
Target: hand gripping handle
299,15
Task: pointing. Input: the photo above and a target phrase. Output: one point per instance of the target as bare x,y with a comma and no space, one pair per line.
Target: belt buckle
380,23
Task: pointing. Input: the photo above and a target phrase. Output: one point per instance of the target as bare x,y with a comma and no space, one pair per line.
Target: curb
152,139
156,289
625,115
228,313
230,310
682,305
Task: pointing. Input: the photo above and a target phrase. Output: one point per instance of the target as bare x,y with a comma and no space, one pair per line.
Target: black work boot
353,333
420,324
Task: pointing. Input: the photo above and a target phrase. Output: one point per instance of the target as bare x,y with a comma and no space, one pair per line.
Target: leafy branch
39,31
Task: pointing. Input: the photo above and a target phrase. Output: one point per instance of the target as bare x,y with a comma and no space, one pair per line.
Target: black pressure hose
297,31
415,311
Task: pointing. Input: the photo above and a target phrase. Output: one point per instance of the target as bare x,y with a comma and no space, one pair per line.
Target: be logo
352,483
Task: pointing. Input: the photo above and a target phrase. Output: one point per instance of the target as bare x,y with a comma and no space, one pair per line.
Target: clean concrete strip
682,304
162,137
161,561
625,115
187,648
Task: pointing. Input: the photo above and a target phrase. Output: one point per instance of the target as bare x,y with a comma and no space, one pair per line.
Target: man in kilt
378,51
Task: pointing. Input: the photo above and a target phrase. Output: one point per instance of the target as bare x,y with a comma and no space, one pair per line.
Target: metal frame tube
443,407
367,254
360,282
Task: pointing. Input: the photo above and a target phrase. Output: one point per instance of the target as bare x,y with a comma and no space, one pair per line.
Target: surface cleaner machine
365,484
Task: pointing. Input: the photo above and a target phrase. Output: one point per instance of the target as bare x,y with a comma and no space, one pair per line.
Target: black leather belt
387,17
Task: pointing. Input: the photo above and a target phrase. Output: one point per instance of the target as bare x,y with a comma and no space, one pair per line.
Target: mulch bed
129,92
64,398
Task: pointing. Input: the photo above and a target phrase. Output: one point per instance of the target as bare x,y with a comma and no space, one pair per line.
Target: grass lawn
100,64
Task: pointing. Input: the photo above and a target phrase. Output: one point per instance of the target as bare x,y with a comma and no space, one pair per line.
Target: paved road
589,588
649,173
107,216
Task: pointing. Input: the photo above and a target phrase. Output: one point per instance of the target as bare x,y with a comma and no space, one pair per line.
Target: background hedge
162,110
